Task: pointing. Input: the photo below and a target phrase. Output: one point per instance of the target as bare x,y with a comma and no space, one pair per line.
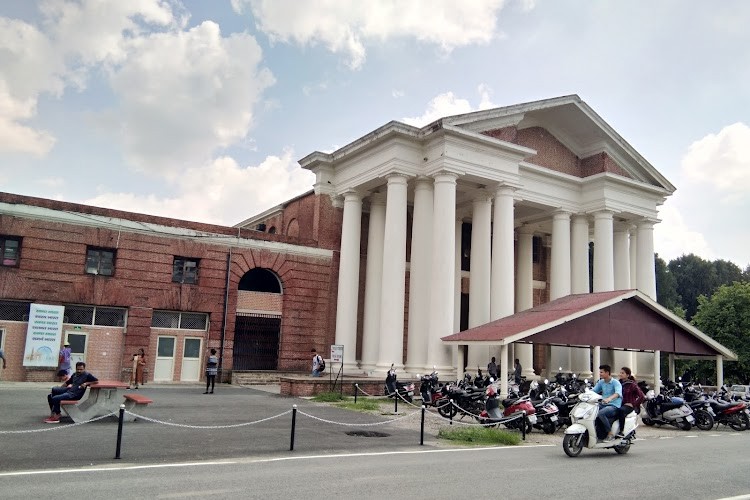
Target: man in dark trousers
73,390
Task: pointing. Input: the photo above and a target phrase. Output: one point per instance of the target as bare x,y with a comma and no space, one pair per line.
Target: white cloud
722,161
448,104
397,94
347,27
221,192
185,94
673,237
75,36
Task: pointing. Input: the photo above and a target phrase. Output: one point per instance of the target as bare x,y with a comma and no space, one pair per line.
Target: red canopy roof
623,319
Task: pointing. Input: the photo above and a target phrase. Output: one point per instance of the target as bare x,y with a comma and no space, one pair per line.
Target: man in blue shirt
611,391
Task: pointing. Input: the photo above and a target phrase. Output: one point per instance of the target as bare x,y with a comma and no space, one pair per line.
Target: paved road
703,466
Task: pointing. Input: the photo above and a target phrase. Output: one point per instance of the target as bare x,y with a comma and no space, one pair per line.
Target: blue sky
199,110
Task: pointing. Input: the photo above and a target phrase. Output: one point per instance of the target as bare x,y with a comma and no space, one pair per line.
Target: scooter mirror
546,381
585,381
418,376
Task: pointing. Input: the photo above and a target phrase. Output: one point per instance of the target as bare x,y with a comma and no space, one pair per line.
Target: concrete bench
136,401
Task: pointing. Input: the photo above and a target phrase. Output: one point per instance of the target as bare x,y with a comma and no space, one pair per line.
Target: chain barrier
357,425
366,394
56,427
231,426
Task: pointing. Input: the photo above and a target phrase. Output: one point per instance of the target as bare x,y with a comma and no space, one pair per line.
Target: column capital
337,201
604,214
445,176
646,222
482,195
504,190
351,195
397,178
423,182
377,198
526,229
561,214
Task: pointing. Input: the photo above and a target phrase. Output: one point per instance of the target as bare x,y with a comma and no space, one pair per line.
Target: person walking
317,363
64,358
212,368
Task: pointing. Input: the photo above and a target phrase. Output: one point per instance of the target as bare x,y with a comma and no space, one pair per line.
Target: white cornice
157,230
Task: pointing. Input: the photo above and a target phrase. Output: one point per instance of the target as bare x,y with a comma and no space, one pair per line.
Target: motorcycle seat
720,406
509,402
669,406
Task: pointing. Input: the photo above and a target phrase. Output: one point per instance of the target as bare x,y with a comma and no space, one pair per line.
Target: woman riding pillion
632,397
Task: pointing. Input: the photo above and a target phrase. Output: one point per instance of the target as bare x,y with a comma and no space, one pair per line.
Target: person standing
517,371
64,358
492,368
139,367
212,368
2,356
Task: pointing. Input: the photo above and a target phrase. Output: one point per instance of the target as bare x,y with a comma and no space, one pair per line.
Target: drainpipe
224,318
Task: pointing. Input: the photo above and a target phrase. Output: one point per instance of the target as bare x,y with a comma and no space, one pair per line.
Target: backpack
321,364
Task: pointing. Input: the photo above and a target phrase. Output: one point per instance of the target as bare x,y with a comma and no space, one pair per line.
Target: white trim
157,230
258,311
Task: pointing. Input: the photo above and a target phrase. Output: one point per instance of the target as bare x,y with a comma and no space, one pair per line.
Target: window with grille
100,261
536,246
178,320
11,310
92,315
185,270
10,251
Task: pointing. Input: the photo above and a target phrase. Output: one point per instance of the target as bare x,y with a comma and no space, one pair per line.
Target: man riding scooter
611,391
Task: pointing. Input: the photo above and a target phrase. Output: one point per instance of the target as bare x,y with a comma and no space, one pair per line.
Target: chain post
119,431
421,430
294,424
356,391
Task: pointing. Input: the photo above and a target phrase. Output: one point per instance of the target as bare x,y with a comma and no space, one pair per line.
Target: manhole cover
368,434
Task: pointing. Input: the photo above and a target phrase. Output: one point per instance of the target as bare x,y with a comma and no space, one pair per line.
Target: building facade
409,235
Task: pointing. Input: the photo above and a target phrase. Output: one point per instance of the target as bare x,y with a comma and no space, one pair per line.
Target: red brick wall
551,153
51,271
259,301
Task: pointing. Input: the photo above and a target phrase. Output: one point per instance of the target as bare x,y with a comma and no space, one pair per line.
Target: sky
199,109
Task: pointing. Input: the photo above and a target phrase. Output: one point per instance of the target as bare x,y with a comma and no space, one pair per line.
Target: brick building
409,235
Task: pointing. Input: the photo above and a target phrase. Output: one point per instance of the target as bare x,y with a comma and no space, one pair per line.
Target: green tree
694,277
666,285
725,317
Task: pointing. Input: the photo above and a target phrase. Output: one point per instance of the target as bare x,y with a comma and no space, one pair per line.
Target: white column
560,280
604,271
672,374
419,276
457,277
502,299
645,272
719,370
479,274
373,283
596,361
525,294
633,257
502,371
621,259
442,291
559,285
620,359
348,293
579,255
394,276
657,372
579,283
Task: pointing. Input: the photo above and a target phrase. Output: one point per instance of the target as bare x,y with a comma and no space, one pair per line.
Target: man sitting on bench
74,389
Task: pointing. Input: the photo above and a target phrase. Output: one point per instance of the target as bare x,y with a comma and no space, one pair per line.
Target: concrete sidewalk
23,407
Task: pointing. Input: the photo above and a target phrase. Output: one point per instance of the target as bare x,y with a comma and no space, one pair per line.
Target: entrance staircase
258,377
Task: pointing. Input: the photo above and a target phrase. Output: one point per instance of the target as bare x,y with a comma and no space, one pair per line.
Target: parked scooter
661,409
512,406
430,389
393,388
582,432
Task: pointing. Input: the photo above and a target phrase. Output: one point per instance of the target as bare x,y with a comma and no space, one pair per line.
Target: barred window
178,320
91,315
11,310
100,261
109,316
79,315
10,250
185,270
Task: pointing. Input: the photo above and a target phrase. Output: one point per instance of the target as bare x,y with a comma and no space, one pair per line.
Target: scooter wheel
647,421
686,426
549,427
570,447
704,421
622,449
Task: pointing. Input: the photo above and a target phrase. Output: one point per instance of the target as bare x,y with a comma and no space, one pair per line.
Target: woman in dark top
632,397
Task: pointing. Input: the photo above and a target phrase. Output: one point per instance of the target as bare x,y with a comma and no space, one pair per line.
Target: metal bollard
523,426
421,429
395,401
356,391
294,424
450,411
119,431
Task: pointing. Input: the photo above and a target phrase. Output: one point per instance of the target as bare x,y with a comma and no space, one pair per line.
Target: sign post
337,356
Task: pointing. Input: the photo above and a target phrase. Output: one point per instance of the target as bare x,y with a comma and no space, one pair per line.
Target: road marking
690,436
666,437
107,469
738,497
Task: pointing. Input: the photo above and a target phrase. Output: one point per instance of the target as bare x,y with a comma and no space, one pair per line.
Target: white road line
107,469
738,497
269,460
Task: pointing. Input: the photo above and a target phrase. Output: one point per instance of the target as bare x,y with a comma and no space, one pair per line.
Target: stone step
259,377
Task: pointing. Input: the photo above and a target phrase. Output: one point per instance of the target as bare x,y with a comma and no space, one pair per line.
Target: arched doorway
257,325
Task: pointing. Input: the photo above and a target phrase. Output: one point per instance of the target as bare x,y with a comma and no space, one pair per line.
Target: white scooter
582,432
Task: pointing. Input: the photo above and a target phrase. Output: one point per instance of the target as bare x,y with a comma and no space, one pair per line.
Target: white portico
536,182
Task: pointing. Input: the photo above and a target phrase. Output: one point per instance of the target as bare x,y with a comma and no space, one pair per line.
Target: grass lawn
480,435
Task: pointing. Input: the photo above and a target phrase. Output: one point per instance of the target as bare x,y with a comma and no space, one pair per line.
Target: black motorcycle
393,388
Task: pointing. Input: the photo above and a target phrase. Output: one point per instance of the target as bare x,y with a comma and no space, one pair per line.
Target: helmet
491,390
